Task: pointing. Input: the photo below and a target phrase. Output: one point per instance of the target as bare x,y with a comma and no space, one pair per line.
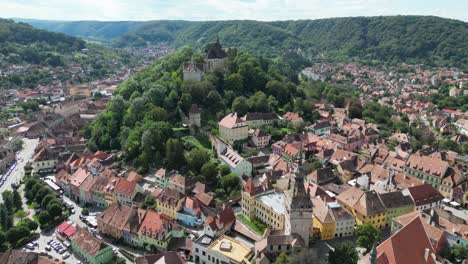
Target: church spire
300,198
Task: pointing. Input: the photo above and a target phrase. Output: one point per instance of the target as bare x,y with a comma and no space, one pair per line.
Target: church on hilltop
215,60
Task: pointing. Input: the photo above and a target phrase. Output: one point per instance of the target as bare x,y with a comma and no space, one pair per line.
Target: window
203,253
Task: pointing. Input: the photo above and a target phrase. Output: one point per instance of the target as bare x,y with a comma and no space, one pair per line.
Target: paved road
23,157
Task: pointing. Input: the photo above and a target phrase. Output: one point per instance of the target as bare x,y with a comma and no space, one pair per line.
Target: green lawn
250,224
194,142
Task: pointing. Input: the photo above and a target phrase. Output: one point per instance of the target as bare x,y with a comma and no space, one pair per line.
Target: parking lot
43,243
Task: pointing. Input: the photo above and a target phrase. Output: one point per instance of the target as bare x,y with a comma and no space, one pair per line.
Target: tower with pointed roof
215,56
299,208
248,198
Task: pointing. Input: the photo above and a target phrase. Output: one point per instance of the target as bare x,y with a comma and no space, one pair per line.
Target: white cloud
225,9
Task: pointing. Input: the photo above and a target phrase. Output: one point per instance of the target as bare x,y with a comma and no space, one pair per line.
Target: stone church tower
299,208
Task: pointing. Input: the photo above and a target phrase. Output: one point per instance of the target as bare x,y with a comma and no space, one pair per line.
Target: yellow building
331,220
267,206
169,202
366,206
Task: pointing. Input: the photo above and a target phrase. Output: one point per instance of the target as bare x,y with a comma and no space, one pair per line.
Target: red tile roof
409,245
125,187
424,194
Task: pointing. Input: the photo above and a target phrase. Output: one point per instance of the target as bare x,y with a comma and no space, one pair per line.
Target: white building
232,128
236,162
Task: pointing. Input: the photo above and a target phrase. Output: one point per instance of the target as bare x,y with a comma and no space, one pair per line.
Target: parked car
65,256
48,248
30,246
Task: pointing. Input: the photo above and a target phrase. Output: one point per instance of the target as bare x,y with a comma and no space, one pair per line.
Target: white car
65,256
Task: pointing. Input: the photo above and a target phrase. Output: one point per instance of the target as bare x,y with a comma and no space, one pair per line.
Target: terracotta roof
116,216
154,223
232,120
322,176
79,177
204,198
424,194
134,177
161,173
426,164
342,155
87,242
161,258
293,117
193,204
178,180
170,197
367,203
403,182
199,187
249,186
409,245
125,187
63,175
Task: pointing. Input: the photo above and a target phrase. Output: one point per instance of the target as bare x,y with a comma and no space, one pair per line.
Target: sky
264,10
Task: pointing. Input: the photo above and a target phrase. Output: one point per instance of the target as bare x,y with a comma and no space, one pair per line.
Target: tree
196,158
174,154
344,253
17,144
17,201
44,218
355,110
367,236
209,171
224,170
230,183
15,234
460,251
46,200
234,83
54,209
8,201
240,106
85,211
29,184
6,219
283,258
149,202
2,238
30,224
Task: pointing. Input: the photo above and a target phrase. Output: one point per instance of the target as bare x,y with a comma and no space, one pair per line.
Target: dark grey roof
260,116
395,200
215,51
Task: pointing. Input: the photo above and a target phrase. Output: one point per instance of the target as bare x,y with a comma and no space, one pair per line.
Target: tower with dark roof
215,56
300,206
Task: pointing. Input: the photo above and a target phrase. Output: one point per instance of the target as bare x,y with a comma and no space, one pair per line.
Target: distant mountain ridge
413,39
22,44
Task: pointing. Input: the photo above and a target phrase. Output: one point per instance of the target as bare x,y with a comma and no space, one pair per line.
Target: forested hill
24,34
426,39
22,44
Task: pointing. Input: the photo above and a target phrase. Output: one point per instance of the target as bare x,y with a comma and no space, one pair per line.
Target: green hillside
21,44
413,39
